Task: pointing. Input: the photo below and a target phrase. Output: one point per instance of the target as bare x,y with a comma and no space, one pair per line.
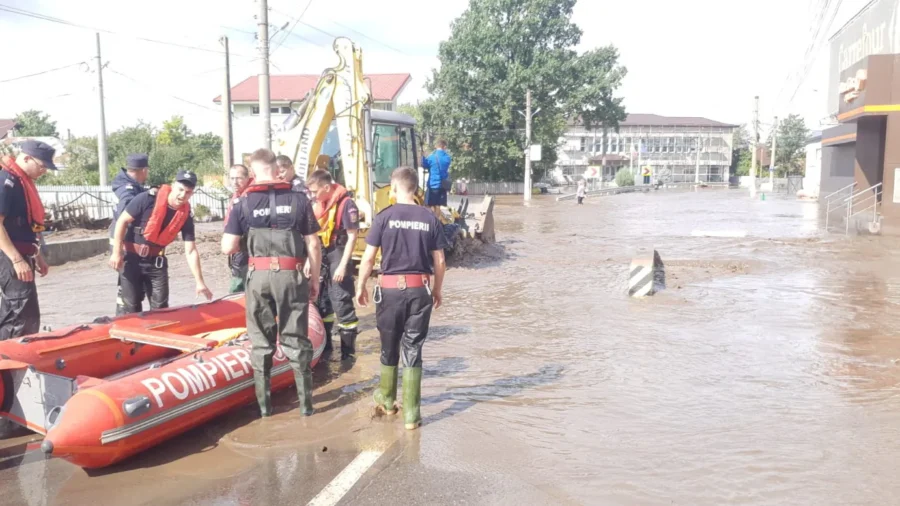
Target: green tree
174,131
497,50
740,152
173,148
33,123
791,145
597,75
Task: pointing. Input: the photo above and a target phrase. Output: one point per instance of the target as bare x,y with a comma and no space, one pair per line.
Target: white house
812,180
667,146
288,89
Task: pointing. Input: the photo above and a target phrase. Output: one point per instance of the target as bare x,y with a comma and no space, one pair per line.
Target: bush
200,212
624,177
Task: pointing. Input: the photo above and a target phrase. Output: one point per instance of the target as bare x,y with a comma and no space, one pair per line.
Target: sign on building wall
874,31
535,152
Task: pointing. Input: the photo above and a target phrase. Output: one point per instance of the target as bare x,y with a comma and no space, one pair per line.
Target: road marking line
343,482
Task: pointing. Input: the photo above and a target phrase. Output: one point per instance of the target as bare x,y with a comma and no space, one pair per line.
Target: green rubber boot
412,397
386,393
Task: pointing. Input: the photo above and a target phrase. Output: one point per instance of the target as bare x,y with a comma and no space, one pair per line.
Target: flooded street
768,372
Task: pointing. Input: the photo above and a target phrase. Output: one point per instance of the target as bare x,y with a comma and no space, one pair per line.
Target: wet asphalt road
766,373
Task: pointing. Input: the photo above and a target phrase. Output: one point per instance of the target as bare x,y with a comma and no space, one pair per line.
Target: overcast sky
685,58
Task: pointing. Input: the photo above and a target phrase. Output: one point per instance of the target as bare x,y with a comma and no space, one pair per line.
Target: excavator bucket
484,220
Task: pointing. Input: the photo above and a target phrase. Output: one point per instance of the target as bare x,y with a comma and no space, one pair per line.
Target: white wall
813,178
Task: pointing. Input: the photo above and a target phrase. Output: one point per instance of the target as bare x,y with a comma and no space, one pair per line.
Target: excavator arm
341,96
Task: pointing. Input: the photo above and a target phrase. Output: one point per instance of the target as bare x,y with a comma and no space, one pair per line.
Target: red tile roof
384,87
5,126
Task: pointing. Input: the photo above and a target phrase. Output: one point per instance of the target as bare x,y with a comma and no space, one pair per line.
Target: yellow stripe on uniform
328,319
348,325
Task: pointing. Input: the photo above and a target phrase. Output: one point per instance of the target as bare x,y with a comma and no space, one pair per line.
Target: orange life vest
33,204
153,231
329,215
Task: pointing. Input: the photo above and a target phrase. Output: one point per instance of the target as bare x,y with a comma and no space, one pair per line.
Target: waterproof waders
277,288
412,397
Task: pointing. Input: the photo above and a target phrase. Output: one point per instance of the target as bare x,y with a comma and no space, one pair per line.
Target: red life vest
33,204
153,231
329,215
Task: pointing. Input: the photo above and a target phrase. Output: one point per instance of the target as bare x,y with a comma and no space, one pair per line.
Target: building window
255,110
583,145
273,110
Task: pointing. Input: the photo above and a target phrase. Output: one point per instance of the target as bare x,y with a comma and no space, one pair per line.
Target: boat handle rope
61,335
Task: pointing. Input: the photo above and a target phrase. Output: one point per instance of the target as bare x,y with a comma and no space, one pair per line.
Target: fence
495,188
99,202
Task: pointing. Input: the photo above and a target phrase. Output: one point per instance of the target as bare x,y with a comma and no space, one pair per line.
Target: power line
44,17
368,37
155,88
43,72
289,32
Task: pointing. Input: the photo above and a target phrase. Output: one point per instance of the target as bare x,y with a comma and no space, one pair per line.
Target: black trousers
20,313
143,277
402,317
341,294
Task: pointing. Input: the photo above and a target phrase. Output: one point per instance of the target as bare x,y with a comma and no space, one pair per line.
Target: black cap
187,177
137,161
40,151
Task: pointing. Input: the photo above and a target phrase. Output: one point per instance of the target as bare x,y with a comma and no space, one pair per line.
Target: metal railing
99,202
832,198
851,203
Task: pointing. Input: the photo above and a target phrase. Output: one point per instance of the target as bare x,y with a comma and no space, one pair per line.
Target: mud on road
767,372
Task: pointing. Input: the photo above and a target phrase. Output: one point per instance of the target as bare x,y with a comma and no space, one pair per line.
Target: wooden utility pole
754,146
265,111
102,153
528,145
228,135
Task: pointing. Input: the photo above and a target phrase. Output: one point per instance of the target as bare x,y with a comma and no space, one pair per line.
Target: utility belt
275,264
147,251
401,282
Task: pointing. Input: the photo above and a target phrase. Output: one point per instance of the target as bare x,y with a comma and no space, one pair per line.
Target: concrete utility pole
772,158
528,146
754,146
228,135
102,155
265,111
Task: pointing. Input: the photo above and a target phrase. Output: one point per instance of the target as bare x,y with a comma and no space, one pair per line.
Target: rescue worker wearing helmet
281,232
150,222
338,218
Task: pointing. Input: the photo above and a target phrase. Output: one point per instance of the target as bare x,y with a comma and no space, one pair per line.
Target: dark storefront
864,95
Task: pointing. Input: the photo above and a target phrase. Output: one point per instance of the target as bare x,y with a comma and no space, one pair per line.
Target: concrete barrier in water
58,253
647,275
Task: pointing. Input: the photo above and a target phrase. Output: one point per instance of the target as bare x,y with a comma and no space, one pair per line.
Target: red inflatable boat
103,392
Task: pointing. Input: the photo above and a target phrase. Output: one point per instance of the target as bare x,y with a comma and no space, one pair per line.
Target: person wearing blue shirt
438,166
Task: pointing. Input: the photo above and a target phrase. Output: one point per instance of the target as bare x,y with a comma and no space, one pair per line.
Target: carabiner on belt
160,261
427,284
376,296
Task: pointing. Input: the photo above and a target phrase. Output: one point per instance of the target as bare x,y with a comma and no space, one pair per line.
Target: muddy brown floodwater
767,373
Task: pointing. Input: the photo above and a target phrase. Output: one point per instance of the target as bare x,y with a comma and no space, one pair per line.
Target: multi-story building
669,146
288,89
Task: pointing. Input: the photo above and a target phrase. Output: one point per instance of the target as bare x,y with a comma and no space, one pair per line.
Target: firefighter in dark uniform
412,246
281,231
237,263
127,184
149,223
338,219
22,216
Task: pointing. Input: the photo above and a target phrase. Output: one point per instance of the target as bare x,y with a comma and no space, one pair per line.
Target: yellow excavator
336,128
